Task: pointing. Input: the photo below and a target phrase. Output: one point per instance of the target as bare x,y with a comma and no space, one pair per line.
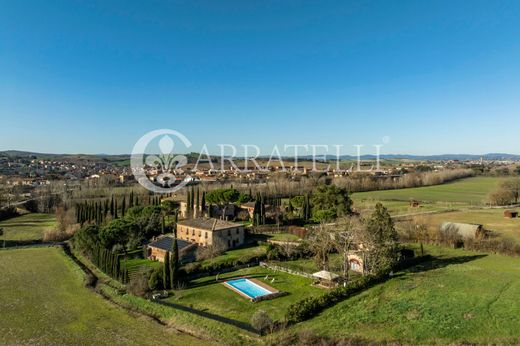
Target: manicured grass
466,191
43,301
208,295
137,263
242,253
463,297
29,227
491,219
286,237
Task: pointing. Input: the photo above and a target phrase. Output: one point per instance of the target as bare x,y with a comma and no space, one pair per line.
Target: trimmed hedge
310,307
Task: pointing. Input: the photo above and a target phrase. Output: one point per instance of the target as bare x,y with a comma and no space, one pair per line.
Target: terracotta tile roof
209,224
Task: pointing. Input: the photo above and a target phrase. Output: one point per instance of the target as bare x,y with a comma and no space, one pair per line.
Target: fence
274,229
285,270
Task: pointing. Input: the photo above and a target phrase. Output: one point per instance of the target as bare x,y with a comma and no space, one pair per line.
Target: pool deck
274,292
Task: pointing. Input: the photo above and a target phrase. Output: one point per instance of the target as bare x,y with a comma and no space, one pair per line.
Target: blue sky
93,76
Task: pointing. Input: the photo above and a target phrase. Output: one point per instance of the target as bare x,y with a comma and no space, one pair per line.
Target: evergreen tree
162,225
188,202
123,206
174,262
166,271
197,203
112,206
203,202
115,209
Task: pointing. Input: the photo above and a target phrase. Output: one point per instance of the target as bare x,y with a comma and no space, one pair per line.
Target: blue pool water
248,287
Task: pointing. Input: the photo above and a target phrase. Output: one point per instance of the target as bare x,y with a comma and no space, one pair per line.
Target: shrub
138,285
309,307
261,321
156,279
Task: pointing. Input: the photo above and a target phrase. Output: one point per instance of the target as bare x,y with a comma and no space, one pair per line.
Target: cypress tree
131,200
198,199
188,202
105,212
112,206
166,271
136,200
192,198
115,209
203,202
174,262
162,225
123,206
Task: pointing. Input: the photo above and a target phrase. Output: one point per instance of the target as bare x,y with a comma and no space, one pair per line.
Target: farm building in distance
211,231
511,214
158,248
414,204
464,230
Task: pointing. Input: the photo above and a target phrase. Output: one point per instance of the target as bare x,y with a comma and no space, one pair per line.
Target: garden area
211,296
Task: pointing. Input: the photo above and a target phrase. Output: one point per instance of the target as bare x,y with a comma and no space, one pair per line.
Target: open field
461,297
469,191
213,297
29,227
492,219
43,301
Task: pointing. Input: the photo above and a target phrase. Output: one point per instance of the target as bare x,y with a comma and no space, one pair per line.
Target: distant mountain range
122,157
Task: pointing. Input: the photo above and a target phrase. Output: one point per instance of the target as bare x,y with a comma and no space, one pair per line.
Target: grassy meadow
491,219
43,301
469,191
461,297
27,228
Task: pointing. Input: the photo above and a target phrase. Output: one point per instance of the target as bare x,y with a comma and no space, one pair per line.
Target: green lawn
242,253
29,227
285,237
465,297
43,301
213,297
472,191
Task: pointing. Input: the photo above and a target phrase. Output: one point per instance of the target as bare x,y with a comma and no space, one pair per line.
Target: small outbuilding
414,204
158,248
511,214
326,278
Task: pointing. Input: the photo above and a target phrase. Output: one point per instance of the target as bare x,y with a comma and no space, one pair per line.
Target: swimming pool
248,288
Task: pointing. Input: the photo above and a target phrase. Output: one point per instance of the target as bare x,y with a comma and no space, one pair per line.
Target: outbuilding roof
166,243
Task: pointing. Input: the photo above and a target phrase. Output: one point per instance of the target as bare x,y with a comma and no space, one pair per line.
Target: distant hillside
64,157
192,157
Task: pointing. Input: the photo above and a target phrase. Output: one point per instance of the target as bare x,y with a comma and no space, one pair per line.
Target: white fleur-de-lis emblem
166,164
